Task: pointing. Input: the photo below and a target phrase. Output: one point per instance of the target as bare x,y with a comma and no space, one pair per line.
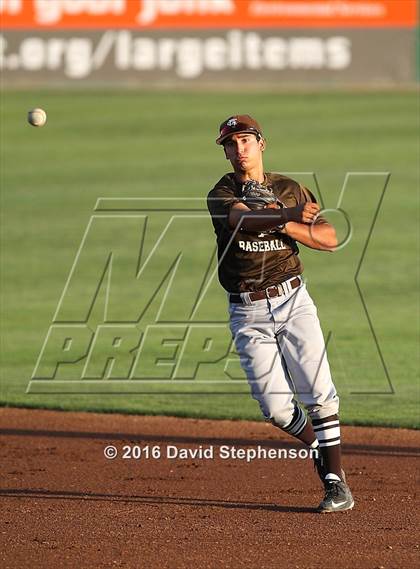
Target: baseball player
258,218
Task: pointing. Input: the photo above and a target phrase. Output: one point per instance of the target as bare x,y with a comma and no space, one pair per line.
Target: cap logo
232,122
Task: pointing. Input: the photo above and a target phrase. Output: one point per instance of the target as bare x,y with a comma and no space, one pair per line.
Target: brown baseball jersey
250,261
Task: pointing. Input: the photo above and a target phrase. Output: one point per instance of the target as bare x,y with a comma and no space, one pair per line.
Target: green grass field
148,145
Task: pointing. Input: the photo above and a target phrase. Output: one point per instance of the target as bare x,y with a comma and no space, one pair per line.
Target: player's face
244,151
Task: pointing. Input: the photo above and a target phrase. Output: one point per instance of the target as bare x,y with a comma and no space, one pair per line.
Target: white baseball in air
37,117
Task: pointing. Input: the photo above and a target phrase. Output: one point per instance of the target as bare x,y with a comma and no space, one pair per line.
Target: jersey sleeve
219,202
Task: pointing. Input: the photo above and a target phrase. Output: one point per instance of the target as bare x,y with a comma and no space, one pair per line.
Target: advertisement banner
223,58
167,42
199,14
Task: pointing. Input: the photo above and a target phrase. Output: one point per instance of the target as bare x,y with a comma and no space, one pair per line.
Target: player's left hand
257,196
310,212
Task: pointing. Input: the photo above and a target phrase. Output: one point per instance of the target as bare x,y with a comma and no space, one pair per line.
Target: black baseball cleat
337,497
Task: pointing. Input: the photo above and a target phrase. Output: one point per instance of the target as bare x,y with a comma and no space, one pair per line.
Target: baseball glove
256,196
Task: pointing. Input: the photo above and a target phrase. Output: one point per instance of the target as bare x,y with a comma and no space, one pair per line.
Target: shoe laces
331,489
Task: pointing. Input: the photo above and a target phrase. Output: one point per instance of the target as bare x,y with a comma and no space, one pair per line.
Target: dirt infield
65,505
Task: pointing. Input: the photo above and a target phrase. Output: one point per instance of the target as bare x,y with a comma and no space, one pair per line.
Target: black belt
270,292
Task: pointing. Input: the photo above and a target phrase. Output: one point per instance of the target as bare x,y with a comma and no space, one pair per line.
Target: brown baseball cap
237,124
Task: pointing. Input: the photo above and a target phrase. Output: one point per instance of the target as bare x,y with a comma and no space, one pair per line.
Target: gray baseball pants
282,351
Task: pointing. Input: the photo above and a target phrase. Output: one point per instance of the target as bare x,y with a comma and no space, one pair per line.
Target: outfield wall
189,42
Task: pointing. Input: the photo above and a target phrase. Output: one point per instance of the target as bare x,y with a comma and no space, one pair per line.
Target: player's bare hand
310,212
303,213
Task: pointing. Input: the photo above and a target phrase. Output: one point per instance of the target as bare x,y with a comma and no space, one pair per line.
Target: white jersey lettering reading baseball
258,218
